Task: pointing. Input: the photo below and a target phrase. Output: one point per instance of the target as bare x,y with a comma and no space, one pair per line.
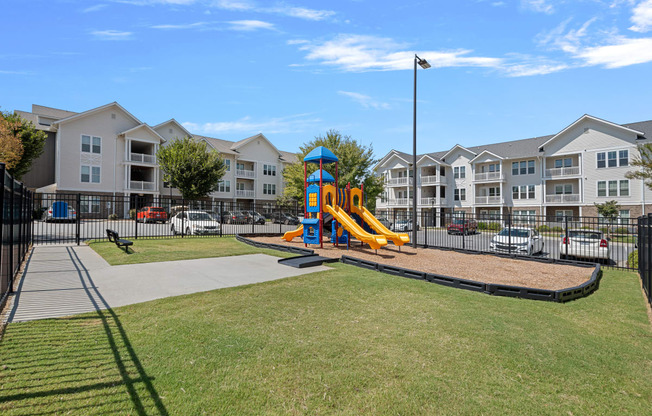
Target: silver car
194,222
525,241
585,244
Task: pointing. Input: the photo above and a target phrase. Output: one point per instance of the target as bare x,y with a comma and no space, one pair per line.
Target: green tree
11,149
355,166
643,161
32,140
191,167
609,210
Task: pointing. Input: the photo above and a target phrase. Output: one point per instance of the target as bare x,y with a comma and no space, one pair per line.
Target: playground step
310,260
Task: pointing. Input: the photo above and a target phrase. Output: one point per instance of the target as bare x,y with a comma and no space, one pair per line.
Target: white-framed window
224,186
564,189
612,159
524,216
492,167
523,192
494,191
227,163
269,189
90,174
269,170
524,167
459,194
623,217
240,186
89,204
91,144
566,162
561,213
613,188
459,172
240,166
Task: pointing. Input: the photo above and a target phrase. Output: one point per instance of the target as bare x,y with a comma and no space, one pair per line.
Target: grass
344,341
153,250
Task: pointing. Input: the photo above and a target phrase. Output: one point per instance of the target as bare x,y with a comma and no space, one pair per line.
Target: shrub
132,214
557,229
482,225
604,230
494,226
113,216
621,230
632,259
543,228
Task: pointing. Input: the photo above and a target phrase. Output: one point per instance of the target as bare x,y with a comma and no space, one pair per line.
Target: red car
459,226
152,214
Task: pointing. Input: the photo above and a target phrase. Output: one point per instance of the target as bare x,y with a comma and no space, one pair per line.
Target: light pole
425,65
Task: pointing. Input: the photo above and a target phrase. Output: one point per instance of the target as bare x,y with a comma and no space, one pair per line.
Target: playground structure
350,217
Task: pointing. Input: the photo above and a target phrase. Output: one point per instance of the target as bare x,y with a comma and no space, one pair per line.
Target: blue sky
501,70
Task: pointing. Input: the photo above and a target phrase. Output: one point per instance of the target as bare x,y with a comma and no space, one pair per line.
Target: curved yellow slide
349,224
288,236
377,226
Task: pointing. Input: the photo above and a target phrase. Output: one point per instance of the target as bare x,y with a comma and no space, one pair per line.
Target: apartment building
558,175
108,151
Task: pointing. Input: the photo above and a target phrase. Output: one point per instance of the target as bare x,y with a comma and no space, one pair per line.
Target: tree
609,210
31,139
355,166
11,149
190,167
643,161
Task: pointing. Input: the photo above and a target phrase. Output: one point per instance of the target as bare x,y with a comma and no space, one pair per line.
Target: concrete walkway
67,280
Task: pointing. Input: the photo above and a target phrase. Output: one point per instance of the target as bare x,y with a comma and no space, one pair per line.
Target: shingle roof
225,147
51,111
643,127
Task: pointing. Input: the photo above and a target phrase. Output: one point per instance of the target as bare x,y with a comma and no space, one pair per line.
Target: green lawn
345,341
151,250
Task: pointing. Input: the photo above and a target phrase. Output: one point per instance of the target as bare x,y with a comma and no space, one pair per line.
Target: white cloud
567,41
642,17
290,124
250,25
365,100
111,34
95,8
180,26
302,12
539,6
622,52
233,5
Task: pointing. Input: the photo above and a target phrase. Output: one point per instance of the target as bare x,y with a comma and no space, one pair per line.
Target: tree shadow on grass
82,364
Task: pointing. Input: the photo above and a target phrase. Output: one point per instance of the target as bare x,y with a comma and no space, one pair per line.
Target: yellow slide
288,236
377,226
349,224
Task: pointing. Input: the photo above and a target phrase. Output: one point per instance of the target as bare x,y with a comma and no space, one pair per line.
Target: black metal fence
16,202
645,254
73,218
594,239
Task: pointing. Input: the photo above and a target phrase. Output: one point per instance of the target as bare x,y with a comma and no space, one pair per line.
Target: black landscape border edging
561,295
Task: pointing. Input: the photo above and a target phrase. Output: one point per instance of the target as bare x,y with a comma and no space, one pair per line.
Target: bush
132,214
632,259
557,229
113,216
621,230
494,226
605,230
543,228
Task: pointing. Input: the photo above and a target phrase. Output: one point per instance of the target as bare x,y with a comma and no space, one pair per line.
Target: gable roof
225,147
483,152
588,117
175,122
146,127
97,110
457,146
403,156
42,110
236,145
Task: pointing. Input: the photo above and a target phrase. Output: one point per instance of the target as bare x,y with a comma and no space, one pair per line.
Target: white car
194,222
586,244
525,241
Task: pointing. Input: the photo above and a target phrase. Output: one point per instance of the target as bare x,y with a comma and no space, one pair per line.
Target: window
269,189
624,188
224,186
462,172
239,186
240,166
515,192
623,217
269,170
563,189
611,159
90,174
494,191
623,158
523,192
601,160
459,172
456,172
524,216
613,188
91,144
602,188
523,168
530,191
566,162
459,194
560,214
90,204
227,163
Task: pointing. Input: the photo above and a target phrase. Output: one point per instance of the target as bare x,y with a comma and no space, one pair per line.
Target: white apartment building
558,175
108,151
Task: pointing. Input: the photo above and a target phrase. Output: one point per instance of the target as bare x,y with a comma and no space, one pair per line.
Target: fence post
2,219
78,218
463,230
221,218
648,248
11,235
136,218
425,229
20,226
509,233
253,219
183,217
566,236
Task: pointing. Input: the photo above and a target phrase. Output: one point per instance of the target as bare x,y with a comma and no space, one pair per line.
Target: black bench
115,238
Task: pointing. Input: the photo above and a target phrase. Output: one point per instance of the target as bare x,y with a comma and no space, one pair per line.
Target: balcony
142,186
563,199
400,202
488,200
245,193
142,158
399,181
245,173
432,201
430,180
562,172
489,177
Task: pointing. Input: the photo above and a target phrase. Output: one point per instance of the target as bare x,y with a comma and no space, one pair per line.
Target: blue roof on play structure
320,153
326,177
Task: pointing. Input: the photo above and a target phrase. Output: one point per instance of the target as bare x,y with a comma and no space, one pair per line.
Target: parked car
526,241
60,211
585,244
152,214
404,225
284,218
246,216
460,226
258,219
385,222
194,222
232,217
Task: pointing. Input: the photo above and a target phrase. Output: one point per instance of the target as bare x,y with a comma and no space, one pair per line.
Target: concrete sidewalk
67,280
